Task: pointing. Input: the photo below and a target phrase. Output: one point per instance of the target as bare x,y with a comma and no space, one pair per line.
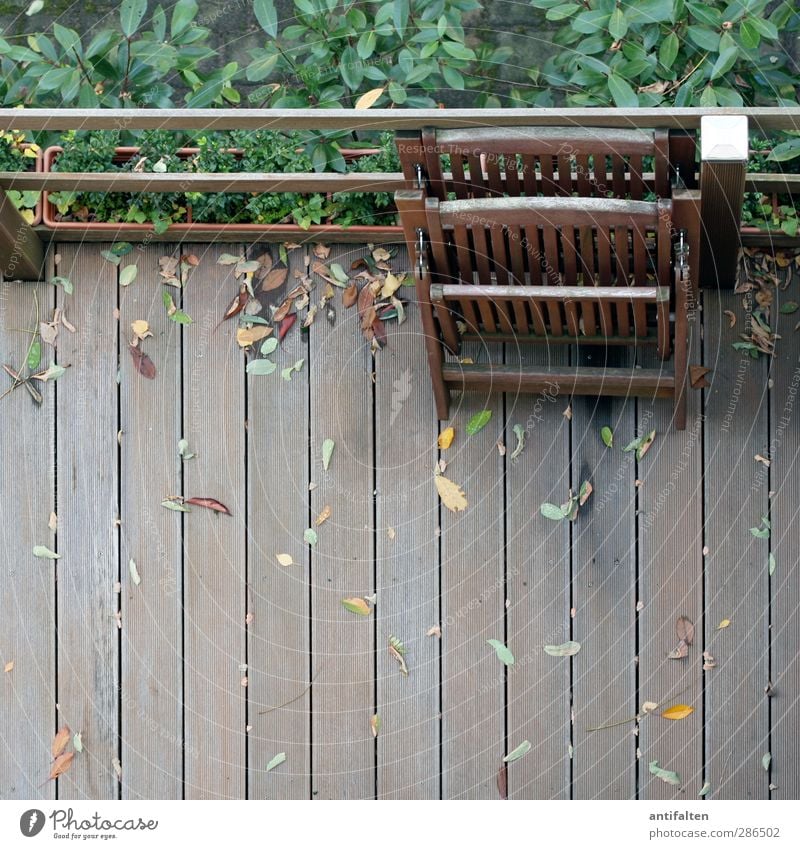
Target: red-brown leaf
365,300
286,326
350,295
283,310
275,278
209,504
502,781
379,329
60,765
142,363
60,741
236,305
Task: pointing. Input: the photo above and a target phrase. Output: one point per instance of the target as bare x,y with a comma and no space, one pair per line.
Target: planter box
224,231
36,165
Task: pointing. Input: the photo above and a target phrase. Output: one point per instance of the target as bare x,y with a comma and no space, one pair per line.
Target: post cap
723,138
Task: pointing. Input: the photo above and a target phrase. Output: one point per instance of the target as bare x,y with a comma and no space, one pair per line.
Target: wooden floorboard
407,557
604,574
88,532
151,425
736,578
27,593
278,597
342,561
538,586
214,545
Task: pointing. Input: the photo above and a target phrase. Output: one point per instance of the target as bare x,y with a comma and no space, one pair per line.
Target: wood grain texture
152,662
27,592
604,574
342,562
538,576
278,596
214,545
407,564
670,530
736,580
473,603
88,535
784,476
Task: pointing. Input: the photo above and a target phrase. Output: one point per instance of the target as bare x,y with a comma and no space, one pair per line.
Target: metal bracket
421,250
420,179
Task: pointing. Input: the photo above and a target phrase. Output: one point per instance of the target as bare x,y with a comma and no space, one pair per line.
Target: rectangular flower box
35,164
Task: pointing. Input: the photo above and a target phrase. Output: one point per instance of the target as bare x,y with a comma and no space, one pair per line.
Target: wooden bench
549,270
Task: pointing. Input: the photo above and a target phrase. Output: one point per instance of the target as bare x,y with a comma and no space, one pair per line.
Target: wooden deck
189,683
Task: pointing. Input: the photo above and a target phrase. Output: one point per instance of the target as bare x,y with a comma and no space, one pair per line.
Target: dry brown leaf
49,332
247,336
697,377
275,277
391,285
452,495
709,661
380,254
568,413
369,98
390,532
141,329
60,741
681,651
143,364
321,251
731,317
502,781
324,515
684,629
446,438
52,522
350,296
9,666
393,652
586,491
649,707
60,765
434,631
761,459
357,605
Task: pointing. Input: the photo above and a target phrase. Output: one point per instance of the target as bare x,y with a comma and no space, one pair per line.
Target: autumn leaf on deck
503,652
142,363
452,495
9,666
44,552
567,649
60,765
276,761
607,435
478,422
60,741
209,504
397,650
375,725
684,629
520,433
519,751
446,438
357,605
502,781
285,559
677,712
275,277
327,452
664,774
641,445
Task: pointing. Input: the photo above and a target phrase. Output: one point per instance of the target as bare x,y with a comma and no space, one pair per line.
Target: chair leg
680,404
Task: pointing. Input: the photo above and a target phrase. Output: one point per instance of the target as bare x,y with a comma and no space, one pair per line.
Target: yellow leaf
357,605
324,515
27,215
677,712
246,336
391,285
285,559
446,438
9,666
451,494
31,152
368,98
723,624
141,329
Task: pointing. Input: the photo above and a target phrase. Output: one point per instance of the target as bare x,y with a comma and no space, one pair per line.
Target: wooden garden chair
548,161
549,270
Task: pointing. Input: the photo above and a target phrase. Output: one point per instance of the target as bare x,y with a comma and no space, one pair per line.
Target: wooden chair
547,161
550,270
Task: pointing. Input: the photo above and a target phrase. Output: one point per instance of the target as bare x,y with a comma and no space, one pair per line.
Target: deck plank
278,596
538,581
27,592
88,537
152,662
785,543
473,603
736,584
342,562
407,563
214,545
670,527
604,574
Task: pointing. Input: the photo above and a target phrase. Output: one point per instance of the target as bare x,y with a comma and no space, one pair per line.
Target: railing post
21,250
723,166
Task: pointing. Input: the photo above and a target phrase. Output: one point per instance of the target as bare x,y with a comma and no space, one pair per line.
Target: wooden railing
722,181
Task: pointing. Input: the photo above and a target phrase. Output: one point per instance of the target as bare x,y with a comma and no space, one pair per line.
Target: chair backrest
549,243
548,161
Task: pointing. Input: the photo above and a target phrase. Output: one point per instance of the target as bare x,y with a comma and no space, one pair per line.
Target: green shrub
14,156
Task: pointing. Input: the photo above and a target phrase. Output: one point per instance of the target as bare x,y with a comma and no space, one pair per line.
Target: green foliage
16,156
672,52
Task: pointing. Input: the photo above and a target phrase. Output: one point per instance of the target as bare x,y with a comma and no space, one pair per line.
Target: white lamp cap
723,138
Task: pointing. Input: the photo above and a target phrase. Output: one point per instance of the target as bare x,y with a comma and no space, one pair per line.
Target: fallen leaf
681,651
607,435
551,511
649,707
350,296
134,572
446,438
369,98
128,275
77,741
585,492
261,367
568,649
9,666
390,532
183,450
310,537
286,326
771,563
285,559
276,761
175,504
44,552
327,452
247,336
228,259
568,413
434,631
478,422
117,767
684,629
324,515
708,661
60,765
502,781
697,377
321,251
706,789
52,522
766,760
275,277
520,433
141,329
789,307
60,741
502,651
677,712
664,774
209,504
452,495
759,459
237,304
375,725
397,651
731,318
724,624
142,363
518,752
357,605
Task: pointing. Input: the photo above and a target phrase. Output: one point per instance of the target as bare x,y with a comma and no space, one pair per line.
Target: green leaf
518,752
562,11
128,275
131,13
356,605
785,150
44,552
618,24
310,536
766,760
34,355
35,7
366,44
183,14
478,422
134,572
458,50
503,652
567,649
176,506
276,761
261,367
551,511
607,435
64,282
520,433
54,371
789,307
183,450
706,789
400,9
327,452
749,34
664,774
623,95
269,345
725,61
771,564
705,39
111,257
767,29
668,51
267,16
